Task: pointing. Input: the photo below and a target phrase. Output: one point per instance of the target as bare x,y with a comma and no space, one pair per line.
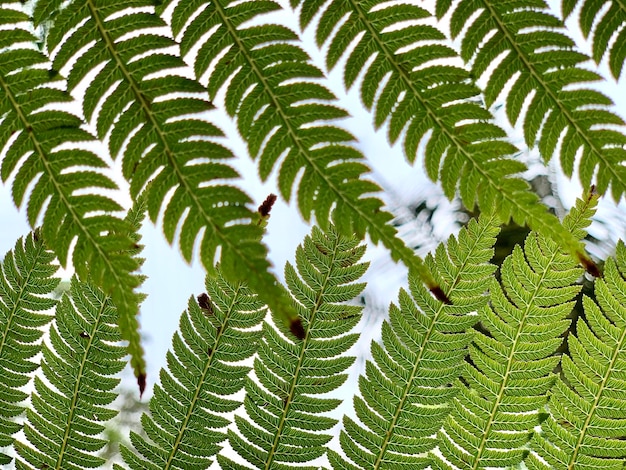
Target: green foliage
25,280
585,428
219,329
81,358
472,370
602,34
33,138
544,72
408,387
285,424
512,357
464,150
283,113
156,124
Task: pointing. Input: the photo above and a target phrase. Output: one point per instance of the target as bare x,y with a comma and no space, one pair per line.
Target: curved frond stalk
216,333
512,358
405,84
522,49
64,181
284,424
84,353
408,387
153,117
586,426
283,113
25,281
608,36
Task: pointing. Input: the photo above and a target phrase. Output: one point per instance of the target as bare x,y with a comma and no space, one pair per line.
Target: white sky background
171,281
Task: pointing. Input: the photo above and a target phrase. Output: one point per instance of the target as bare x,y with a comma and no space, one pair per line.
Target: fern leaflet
408,386
84,353
605,30
535,62
406,85
25,278
285,425
62,181
283,111
512,360
214,334
168,147
586,426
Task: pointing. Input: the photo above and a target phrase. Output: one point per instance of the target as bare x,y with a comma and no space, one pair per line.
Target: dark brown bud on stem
265,208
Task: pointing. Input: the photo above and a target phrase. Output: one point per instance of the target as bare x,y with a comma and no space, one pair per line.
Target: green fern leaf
405,85
63,181
283,113
537,63
84,353
587,408
407,389
512,359
600,26
217,331
156,123
285,424
25,280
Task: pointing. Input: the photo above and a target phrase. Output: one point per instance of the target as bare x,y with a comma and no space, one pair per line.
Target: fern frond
64,181
407,389
512,358
216,332
608,36
405,84
524,53
84,353
25,281
586,426
285,424
283,113
168,147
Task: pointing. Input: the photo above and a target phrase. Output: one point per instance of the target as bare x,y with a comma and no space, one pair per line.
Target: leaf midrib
595,405
75,395
207,367
30,270
509,365
303,349
414,372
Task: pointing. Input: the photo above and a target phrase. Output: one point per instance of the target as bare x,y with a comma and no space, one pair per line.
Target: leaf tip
589,265
141,381
440,295
296,328
205,304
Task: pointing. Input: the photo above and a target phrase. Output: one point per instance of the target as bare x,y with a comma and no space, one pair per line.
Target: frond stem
509,365
303,345
196,395
602,385
75,395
